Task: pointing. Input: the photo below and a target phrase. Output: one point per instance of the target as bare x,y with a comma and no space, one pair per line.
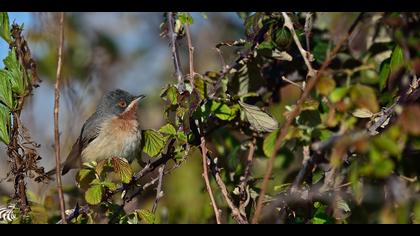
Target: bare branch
56,124
174,50
308,29
207,181
191,54
292,83
236,214
159,192
307,56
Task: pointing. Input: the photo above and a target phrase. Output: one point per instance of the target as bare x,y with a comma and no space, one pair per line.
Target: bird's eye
122,104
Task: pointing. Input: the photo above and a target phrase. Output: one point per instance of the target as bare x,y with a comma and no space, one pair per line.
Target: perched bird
112,131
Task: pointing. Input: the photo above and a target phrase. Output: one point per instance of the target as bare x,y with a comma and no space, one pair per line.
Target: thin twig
307,57
308,29
191,54
159,192
292,83
236,214
292,115
174,50
56,124
207,181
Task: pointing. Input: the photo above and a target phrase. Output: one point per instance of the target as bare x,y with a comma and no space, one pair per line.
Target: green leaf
93,195
123,169
146,216
4,124
168,129
269,142
5,89
15,72
325,85
5,27
185,17
85,177
170,94
384,71
338,93
153,142
397,59
200,87
259,120
112,186
223,111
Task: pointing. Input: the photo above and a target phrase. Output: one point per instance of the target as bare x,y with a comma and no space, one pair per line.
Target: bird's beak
135,102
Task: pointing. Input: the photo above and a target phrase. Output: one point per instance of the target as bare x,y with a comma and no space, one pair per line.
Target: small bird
113,130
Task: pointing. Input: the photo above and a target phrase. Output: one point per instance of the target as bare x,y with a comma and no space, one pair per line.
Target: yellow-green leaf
397,59
168,129
4,124
15,72
337,94
5,89
268,144
122,169
259,120
146,216
93,195
325,85
5,27
153,142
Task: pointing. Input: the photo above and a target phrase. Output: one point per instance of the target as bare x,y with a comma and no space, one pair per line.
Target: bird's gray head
118,102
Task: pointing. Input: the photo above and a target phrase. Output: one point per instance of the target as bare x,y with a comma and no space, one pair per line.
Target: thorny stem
56,124
207,181
295,112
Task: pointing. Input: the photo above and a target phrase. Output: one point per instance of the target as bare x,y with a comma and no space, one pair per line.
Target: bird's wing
90,131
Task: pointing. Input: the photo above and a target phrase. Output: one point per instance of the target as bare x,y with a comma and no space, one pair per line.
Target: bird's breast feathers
117,138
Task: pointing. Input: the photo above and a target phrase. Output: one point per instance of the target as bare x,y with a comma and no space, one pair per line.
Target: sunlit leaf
337,94
153,142
93,195
168,129
170,94
123,169
5,89
5,27
15,72
269,142
259,120
146,216
4,124
325,85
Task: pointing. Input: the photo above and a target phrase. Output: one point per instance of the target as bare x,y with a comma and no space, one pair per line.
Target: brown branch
207,181
236,213
294,113
159,192
191,54
175,56
56,124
